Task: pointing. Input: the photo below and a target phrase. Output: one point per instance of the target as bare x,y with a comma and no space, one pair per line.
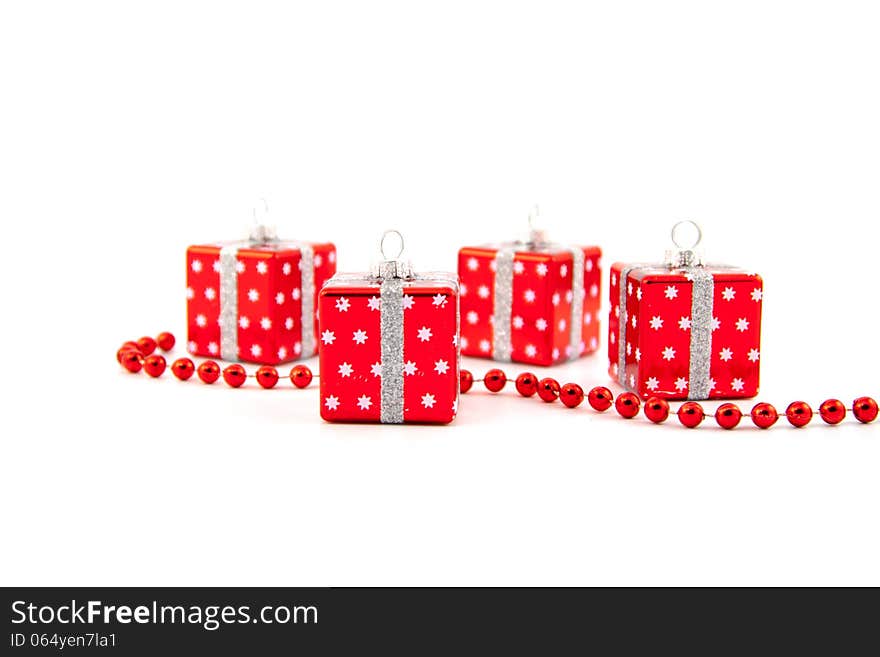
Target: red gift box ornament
530,301
254,300
389,345
684,329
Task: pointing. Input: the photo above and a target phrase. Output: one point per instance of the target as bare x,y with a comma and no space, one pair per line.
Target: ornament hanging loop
685,255
261,231
537,236
392,267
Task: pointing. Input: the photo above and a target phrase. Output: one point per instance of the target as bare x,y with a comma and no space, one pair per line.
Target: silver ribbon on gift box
689,261
263,236
503,311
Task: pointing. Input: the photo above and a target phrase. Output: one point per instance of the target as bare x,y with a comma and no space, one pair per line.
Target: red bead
691,414
495,380
132,345
764,415
122,351
147,345
572,395
267,376
548,390
600,399
154,365
832,411
165,340
799,414
301,376
728,416
132,361
865,409
234,375
209,371
183,368
527,384
627,405
657,410
465,381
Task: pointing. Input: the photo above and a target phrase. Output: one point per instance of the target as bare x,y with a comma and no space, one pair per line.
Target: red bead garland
141,355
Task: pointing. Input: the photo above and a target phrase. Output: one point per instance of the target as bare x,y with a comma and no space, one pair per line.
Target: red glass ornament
527,384
601,399
132,361
572,395
832,411
301,376
122,351
799,414
147,345
627,405
495,380
865,409
183,368
165,340
691,414
548,390
209,371
728,416
154,365
764,415
657,410
267,376
465,381
234,375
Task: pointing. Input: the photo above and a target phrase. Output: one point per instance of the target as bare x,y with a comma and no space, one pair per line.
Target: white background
128,131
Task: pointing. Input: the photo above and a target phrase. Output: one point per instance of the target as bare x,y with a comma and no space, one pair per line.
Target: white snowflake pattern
742,325
256,350
213,349
439,300
638,355
656,322
345,370
518,267
318,260
288,323
594,290
216,266
328,337
754,355
201,320
684,323
652,384
279,298
410,368
485,346
374,303
286,269
563,270
266,323
210,293
296,294
359,336
556,298
518,322
569,296
588,319
541,269
588,265
563,324
408,302
716,324
726,354
282,353
343,304
629,289
240,266
757,294
473,264
729,294
541,324
376,369
634,321
639,293
629,349
364,402
681,384
555,354
671,292
737,385
464,342
196,266
192,347
332,403
472,317
262,267
428,400
253,295
190,293
531,350
462,290
483,292
425,334
668,353
297,348
331,256
529,296
244,322
441,367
